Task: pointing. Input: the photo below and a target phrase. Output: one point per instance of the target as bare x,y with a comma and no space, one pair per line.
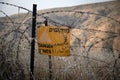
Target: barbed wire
24,22
81,12
50,20
8,17
13,22
16,6
17,29
89,47
60,11
57,12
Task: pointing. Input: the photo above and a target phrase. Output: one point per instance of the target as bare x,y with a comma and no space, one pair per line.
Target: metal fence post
50,59
33,42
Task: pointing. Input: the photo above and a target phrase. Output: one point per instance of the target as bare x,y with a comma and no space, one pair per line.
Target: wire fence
94,56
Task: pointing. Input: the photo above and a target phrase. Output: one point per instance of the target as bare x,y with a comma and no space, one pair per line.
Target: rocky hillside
94,44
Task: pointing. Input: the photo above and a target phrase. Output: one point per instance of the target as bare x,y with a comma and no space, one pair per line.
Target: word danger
45,45
53,51
59,30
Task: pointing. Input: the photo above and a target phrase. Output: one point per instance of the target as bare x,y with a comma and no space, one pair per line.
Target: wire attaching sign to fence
53,40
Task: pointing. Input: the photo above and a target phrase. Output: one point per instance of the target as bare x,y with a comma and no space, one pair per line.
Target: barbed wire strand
16,6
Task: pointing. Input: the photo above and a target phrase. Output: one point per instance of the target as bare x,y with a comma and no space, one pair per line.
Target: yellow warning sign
53,40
